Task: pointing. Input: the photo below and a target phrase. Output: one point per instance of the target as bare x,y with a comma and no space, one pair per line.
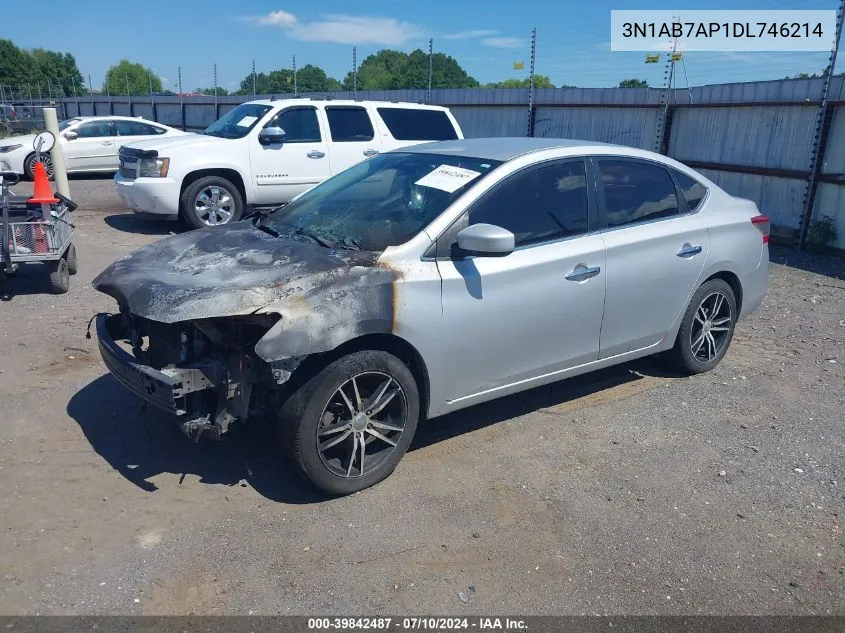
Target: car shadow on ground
142,443
139,224
827,265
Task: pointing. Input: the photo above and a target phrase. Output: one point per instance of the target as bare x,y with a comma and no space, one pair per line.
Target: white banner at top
706,30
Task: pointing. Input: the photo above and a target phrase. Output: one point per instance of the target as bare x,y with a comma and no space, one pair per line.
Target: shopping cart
28,235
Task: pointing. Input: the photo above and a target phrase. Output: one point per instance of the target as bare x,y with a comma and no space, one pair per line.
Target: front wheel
29,165
211,201
707,328
348,426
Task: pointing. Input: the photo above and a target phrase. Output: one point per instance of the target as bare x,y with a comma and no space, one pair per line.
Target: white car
89,144
267,152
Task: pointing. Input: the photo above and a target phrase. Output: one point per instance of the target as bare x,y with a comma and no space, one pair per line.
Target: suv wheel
211,201
347,427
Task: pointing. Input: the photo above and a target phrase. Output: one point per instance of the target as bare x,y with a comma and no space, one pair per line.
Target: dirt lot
628,491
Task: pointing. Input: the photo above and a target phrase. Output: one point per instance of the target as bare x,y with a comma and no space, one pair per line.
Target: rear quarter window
411,124
693,190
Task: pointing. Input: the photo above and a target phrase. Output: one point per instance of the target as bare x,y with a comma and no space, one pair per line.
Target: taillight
763,223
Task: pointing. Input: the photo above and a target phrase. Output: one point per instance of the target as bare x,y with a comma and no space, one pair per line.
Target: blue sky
486,37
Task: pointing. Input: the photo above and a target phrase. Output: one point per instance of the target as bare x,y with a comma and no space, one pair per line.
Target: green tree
274,82
311,78
540,81
135,76
395,70
221,92
633,83
24,71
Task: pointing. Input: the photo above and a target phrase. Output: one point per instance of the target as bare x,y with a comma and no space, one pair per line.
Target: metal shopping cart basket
26,235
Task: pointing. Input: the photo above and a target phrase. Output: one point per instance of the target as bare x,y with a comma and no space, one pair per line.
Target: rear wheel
348,426
211,201
59,277
71,259
707,328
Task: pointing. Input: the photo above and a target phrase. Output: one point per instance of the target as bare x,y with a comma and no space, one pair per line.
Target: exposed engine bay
209,366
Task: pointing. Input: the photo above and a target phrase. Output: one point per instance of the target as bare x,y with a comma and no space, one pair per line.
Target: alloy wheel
214,206
361,424
46,160
711,327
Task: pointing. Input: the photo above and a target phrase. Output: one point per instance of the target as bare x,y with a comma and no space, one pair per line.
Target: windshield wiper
320,240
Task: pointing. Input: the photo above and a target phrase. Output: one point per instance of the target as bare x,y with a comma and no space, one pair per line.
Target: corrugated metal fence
754,139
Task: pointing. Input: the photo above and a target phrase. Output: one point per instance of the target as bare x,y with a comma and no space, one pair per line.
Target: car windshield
380,202
65,124
236,123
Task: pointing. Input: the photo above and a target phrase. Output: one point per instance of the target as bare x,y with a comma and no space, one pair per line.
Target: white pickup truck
267,152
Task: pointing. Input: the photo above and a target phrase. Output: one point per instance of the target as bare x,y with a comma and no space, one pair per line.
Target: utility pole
150,80
253,79
215,88
530,126
295,90
128,92
354,72
430,66
822,132
181,98
90,85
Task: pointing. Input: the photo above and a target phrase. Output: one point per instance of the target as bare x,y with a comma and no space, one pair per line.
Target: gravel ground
630,491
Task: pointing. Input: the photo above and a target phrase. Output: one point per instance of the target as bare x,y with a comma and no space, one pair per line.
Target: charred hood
239,269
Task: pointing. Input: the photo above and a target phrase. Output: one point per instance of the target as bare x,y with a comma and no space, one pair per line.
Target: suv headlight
153,167
5,149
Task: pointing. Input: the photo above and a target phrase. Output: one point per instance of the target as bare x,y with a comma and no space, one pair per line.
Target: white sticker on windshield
247,121
448,178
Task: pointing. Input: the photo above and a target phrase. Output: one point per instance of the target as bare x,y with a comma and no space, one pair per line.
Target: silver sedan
426,280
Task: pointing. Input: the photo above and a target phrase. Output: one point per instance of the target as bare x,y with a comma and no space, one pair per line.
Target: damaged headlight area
205,371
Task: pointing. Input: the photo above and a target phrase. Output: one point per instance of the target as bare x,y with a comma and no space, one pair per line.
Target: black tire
72,264
689,353
59,277
306,412
28,166
189,200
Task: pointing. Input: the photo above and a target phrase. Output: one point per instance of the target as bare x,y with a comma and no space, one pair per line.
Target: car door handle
107,142
582,272
370,152
688,250
315,154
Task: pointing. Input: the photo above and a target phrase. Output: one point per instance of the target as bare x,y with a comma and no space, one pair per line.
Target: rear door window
412,124
349,124
636,191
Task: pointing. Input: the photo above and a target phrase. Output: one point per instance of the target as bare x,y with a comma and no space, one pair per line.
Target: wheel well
390,343
400,348
733,281
229,174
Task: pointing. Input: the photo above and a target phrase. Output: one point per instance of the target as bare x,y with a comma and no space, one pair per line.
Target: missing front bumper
167,389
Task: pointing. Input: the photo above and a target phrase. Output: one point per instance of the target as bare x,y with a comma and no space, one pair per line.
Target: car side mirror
271,135
486,240
70,135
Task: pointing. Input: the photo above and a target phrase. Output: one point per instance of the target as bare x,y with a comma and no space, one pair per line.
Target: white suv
267,152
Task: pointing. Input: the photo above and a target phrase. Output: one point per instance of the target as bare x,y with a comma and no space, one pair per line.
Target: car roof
346,102
508,148
113,118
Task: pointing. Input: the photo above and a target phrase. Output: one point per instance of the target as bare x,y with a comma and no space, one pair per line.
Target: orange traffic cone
42,193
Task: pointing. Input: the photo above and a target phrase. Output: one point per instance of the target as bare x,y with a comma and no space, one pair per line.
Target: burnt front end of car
203,371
